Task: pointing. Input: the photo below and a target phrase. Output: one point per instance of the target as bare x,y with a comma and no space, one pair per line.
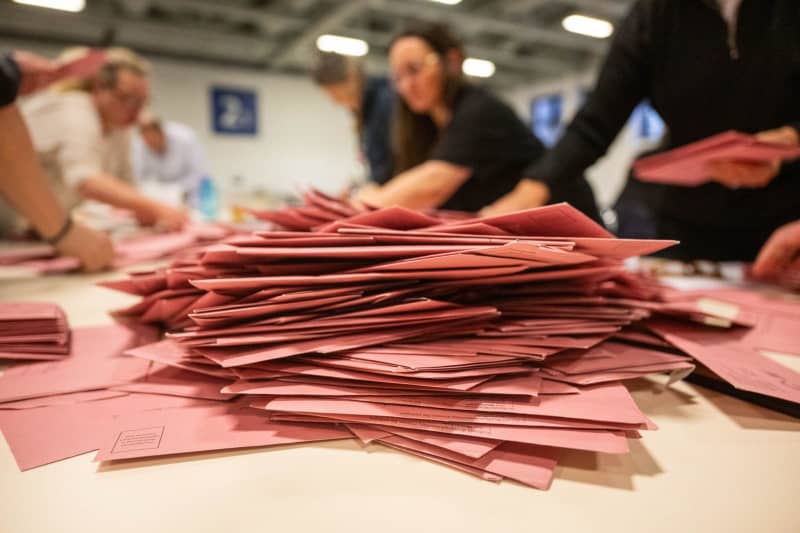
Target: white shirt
181,166
68,137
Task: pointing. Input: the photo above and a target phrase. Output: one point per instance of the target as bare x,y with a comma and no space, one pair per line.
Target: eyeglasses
412,70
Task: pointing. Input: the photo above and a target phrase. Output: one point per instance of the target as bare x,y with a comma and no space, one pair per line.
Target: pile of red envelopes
484,344
688,165
33,330
489,345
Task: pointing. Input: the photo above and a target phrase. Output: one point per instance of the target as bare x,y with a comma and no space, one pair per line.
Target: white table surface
716,464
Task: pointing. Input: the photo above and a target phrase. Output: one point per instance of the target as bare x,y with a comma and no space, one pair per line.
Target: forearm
23,183
113,191
423,187
621,84
526,195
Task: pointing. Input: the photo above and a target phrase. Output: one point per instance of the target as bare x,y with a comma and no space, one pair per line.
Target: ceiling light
448,2
62,5
593,27
479,68
342,45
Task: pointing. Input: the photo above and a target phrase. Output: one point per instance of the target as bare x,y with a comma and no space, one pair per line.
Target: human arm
427,185
27,189
89,170
621,84
111,190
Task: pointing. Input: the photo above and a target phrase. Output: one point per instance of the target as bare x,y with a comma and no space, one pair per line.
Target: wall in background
302,139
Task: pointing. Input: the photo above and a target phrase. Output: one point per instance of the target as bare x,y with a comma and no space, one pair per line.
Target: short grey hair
331,68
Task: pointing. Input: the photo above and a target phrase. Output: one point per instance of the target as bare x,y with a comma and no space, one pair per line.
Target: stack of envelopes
33,330
489,345
485,344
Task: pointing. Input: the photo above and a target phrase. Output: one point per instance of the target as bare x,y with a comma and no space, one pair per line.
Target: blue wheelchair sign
234,111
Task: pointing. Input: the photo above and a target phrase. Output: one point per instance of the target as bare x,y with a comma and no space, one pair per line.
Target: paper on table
739,365
95,363
72,429
204,428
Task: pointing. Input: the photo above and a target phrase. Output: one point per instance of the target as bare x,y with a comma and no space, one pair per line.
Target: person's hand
786,135
91,247
163,215
736,174
368,194
527,194
36,71
780,250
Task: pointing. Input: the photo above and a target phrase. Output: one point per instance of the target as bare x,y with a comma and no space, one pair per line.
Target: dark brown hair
414,134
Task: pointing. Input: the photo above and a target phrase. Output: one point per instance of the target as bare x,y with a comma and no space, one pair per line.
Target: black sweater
702,80
9,80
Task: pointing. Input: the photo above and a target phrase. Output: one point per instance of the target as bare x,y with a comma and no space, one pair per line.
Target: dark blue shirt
376,125
9,80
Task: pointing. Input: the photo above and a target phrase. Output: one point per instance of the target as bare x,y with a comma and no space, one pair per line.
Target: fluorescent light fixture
593,27
342,45
479,68
448,2
62,5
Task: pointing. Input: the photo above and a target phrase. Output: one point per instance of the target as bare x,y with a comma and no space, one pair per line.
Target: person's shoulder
68,108
475,94
478,100
77,100
380,88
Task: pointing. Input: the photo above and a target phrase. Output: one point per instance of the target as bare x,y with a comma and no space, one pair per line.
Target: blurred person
456,146
706,66
22,182
80,132
167,159
369,99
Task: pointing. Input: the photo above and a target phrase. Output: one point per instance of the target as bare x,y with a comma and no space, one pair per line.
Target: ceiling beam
463,19
334,18
268,21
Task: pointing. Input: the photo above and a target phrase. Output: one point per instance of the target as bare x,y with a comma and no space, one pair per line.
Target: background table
715,464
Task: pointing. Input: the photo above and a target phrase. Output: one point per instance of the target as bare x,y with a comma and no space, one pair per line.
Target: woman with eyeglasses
456,146
80,132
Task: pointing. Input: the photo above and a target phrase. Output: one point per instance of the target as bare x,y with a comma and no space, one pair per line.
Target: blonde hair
116,59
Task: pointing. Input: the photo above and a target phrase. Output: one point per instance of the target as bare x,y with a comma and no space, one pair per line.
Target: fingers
786,135
91,247
736,174
779,252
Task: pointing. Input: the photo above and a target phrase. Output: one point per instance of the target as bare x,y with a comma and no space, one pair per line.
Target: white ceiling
523,38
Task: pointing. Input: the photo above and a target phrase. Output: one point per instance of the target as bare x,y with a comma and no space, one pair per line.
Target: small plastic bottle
208,199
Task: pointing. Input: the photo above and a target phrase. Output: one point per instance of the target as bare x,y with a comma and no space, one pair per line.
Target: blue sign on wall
647,122
546,118
234,111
